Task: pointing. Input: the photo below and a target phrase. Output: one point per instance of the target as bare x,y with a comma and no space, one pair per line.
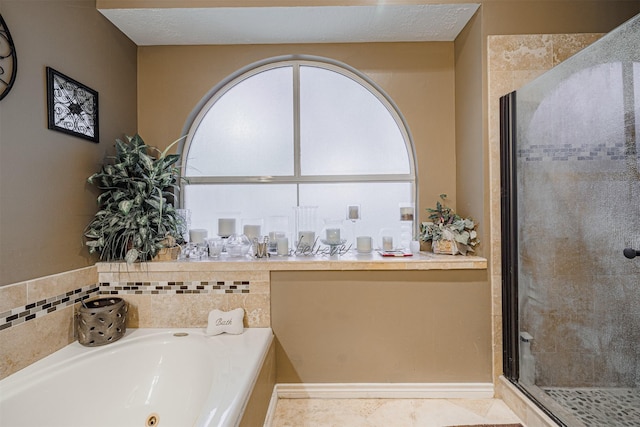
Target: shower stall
571,235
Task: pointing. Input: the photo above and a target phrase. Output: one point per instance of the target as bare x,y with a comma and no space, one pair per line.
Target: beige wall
44,201
419,77
381,326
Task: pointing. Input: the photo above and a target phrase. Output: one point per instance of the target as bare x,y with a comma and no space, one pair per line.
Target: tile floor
390,412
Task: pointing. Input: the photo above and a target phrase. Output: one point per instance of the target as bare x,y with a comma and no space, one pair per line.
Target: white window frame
296,61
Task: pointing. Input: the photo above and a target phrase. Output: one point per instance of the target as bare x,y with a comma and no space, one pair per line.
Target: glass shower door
573,208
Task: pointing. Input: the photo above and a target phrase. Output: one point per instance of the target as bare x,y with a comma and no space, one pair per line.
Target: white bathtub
191,380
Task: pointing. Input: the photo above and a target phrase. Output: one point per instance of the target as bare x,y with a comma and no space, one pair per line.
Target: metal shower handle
630,253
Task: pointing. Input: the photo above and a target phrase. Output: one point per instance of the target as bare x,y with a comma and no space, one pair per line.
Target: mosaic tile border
25,313
19,315
600,407
566,152
175,288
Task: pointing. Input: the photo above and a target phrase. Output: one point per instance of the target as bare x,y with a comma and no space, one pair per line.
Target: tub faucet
630,253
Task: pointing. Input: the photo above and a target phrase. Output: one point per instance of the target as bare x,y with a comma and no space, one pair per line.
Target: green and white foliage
445,224
135,219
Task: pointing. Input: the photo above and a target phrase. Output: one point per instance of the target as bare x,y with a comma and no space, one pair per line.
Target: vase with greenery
449,232
136,218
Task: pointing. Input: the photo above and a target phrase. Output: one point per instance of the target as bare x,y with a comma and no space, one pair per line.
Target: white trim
385,391
271,409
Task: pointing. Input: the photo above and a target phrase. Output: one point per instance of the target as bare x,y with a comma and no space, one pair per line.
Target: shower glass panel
575,201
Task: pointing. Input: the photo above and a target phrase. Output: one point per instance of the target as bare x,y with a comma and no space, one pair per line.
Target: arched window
297,131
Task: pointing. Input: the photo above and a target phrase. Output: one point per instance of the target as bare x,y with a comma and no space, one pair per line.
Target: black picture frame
72,107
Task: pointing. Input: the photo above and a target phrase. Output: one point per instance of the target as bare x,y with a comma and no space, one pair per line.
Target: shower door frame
509,248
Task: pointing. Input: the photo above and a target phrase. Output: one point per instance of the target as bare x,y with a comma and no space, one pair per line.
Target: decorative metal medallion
8,60
72,107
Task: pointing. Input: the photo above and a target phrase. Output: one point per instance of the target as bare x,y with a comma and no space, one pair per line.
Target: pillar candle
353,212
363,243
387,243
406,213
197,235
226,226
283,246
333,236
251,231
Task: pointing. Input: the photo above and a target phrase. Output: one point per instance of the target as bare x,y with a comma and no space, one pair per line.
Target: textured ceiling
268,25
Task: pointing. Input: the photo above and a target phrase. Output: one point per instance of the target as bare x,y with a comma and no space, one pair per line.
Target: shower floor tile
612,407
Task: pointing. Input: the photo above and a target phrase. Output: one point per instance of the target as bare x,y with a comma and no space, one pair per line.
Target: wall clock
8,60
72,107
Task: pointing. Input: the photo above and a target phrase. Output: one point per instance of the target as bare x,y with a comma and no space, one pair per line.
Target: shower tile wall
512,61
37,316
580,306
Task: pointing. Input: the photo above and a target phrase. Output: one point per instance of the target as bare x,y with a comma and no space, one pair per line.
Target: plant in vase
448,232
135,220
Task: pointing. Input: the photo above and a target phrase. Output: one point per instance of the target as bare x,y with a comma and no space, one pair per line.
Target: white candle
353,212
333,236
387,243
197,235
306,238
363,243
406,213
252,231
283,246
226,226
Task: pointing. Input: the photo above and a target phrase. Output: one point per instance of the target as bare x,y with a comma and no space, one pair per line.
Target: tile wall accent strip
19,315
566,152
175,288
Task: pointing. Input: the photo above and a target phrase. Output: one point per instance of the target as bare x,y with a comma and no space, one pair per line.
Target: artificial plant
135,217
445,224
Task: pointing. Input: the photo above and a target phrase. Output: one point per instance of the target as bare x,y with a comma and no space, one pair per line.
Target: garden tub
150,377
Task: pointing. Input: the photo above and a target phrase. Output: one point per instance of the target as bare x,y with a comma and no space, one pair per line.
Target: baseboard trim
271,410
385,391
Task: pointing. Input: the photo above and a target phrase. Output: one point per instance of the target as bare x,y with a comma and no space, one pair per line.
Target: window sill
348,262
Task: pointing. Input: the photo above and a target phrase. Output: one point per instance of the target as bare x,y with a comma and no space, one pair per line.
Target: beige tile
139,310
13,296
57,284
520,52
29,342
390,412
567,45
186,311
257,308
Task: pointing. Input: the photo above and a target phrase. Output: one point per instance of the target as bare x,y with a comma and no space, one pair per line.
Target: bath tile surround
37,316
34,310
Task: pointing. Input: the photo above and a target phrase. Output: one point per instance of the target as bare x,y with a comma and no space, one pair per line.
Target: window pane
379,204
210,202
248,131
345,129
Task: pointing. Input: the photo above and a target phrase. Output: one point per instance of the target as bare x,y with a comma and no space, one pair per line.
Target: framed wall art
71,106
8,60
